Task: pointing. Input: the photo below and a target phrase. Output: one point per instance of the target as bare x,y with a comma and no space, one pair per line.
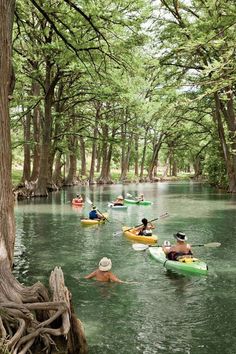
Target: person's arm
115,279
91,275
151,226
138,229
190,249
100,216
167,249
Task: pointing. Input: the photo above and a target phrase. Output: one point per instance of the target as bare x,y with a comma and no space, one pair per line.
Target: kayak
189,265
141,202
88,222
77,202
117,207
130,234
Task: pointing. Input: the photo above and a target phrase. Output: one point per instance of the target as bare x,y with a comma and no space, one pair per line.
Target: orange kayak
77,202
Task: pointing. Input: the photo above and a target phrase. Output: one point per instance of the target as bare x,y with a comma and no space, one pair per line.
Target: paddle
91,203
142,247
121,232
131,196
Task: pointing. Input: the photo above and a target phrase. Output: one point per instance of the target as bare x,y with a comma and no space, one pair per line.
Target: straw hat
105,264
120,197
180,236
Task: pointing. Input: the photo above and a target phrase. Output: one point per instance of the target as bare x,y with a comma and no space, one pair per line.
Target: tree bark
136,165
72,178
36,134
143,156
94,147
57,175
27,138
106,158
154,159
7,222
82,156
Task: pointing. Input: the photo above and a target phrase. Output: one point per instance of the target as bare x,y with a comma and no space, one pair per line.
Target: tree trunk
143,155
41,187
57,175
136,140
154,159
105,170
36,134
26,164
72,178
82,156
7,222
94,149
99,157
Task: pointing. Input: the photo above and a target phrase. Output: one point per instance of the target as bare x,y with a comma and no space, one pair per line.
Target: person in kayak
140,198
94,214
119,201
145,229
174,253
78,199
103,272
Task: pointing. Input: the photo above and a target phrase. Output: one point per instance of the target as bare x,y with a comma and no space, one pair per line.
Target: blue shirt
93,214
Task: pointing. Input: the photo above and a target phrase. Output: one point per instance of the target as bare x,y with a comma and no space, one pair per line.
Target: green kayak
141,202
194,266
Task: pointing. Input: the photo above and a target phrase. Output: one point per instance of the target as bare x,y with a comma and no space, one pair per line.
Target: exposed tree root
28,318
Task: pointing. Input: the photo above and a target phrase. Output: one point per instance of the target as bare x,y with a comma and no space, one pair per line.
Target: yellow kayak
94,221
130,233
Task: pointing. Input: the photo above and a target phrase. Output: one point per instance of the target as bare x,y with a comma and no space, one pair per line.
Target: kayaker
78,199
94,214
145,229
103,272
179,250
119,201
140,198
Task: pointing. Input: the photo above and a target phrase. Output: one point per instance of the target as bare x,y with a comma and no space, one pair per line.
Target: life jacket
145,232
176,256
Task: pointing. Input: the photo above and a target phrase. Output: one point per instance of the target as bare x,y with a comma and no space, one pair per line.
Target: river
162,312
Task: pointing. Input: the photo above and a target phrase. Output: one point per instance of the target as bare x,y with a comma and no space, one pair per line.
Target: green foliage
214,168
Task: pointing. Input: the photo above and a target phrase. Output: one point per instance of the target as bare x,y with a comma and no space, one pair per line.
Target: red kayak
77,202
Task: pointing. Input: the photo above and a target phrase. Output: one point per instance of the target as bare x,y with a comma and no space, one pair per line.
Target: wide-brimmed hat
180,236
120,197
105,264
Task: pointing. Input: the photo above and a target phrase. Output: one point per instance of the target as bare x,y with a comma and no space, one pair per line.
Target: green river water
163,312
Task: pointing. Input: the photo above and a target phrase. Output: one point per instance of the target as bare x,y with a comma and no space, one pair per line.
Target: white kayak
117,207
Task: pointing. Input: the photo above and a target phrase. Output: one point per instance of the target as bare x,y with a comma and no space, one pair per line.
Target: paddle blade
89,201
139,246
129,195
210,244
117,233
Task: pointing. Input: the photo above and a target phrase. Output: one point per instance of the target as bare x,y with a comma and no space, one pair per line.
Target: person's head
120,197
94,207
166,244
144,221
180,236
141,195
105,264
78,195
